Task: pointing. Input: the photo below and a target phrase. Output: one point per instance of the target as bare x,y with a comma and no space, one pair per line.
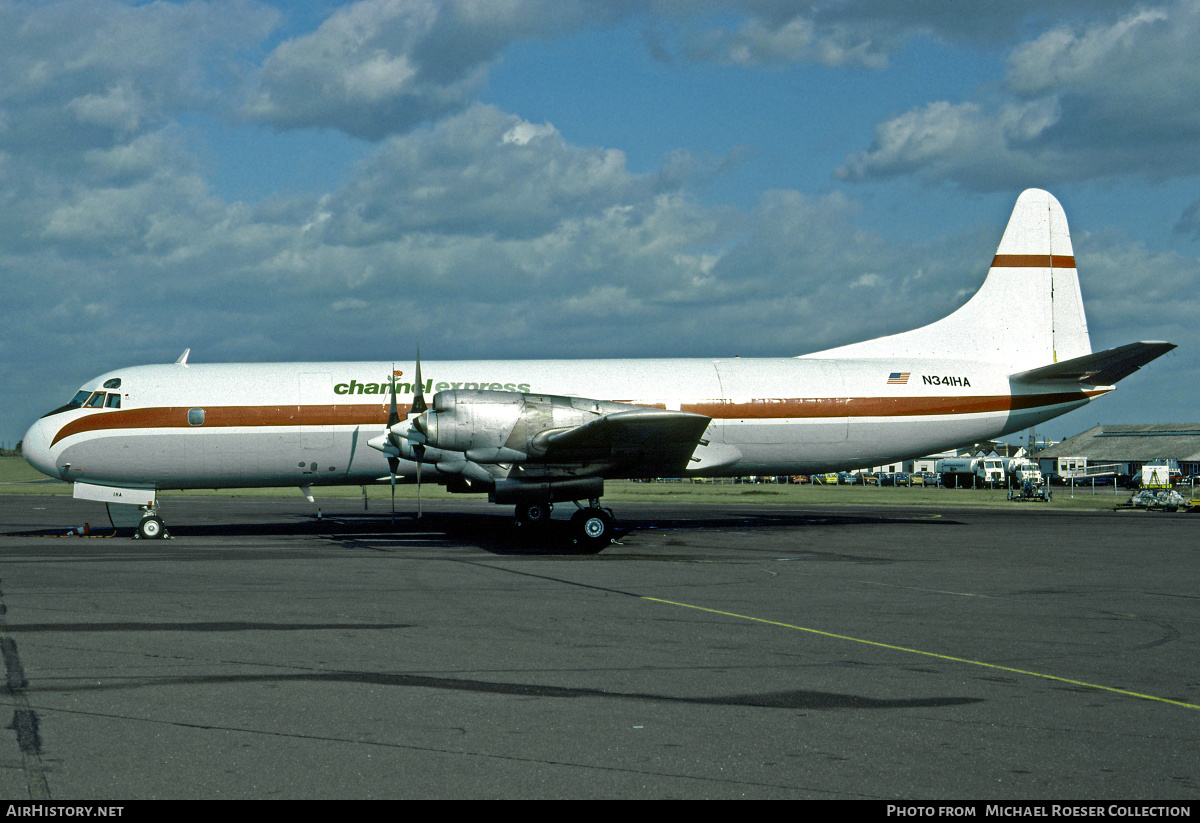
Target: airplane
536,433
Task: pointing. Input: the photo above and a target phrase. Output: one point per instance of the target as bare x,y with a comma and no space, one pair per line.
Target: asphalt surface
715,652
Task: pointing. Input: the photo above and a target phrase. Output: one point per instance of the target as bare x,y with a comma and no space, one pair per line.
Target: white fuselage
242,425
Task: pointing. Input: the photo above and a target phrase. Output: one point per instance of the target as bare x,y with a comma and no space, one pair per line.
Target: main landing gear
591,526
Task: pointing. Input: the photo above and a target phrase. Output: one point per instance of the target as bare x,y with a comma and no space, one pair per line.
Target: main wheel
151,528
593,528
533,514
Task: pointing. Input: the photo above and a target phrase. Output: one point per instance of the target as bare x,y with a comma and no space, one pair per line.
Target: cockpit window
90,399
112,383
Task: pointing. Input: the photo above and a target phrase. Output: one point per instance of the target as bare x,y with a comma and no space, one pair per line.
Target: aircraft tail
1027,313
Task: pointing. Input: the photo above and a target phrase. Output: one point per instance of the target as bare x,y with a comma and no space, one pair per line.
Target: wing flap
1099,368
657,441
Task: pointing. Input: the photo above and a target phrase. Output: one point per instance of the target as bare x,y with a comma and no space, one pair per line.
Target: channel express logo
366,387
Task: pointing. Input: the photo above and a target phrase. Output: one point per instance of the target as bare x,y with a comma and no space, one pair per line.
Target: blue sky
272,181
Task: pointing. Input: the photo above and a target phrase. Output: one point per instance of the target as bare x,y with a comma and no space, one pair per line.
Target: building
1130,447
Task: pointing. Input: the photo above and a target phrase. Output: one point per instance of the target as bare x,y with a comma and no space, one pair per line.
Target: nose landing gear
151,526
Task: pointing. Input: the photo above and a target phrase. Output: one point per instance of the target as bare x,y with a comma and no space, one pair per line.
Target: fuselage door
316,393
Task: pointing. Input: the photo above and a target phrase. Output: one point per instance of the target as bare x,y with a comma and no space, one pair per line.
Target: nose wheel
151,527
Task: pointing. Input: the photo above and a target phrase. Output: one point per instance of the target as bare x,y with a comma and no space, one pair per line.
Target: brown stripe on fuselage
1034,261
227,416
811,408
765,409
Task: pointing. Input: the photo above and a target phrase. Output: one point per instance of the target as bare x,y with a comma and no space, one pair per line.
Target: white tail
1027,313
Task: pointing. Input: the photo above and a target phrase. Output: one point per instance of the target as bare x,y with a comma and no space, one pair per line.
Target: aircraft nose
36,447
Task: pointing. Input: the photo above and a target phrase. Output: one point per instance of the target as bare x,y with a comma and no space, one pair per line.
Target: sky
526,179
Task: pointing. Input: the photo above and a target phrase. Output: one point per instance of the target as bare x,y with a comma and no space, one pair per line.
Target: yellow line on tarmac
951,658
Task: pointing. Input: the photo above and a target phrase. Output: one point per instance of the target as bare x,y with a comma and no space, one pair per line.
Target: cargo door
783,401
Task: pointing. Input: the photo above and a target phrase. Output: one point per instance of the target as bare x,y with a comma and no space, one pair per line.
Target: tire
151,528
534,514
593,529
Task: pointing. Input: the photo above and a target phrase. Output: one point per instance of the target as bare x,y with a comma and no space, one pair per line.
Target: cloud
1082,101
382,67
478,172
1121,280
1000,149
798,39
87,73
845,33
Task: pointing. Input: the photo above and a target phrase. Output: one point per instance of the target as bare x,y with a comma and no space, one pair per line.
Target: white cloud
93,74
382,67
962,142
797,39
478,172
1068,57
1084,101
120,109
356,73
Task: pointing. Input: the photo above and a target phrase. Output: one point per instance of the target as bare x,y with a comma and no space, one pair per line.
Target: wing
1099,368
649,442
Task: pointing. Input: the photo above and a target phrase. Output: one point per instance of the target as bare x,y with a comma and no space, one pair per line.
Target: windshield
90,399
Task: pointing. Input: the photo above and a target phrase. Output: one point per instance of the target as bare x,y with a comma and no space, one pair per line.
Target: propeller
415,434
419,407
394,462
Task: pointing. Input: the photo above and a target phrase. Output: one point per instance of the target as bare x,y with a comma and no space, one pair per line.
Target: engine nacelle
502,427
468,420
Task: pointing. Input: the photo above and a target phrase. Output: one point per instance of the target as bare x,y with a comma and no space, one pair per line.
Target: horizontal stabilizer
1102,368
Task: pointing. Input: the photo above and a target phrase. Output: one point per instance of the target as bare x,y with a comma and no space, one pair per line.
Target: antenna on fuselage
182,361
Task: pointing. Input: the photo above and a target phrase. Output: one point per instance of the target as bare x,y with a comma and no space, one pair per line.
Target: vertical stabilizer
1027,313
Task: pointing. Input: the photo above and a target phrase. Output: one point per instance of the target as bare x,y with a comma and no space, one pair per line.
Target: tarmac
753,651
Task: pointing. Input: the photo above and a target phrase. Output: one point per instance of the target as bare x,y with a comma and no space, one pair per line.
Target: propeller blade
419,406
393,467
416,433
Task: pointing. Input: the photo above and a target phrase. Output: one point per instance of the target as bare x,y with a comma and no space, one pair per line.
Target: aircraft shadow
497,533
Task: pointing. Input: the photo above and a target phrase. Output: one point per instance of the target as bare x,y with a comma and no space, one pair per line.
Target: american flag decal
898,378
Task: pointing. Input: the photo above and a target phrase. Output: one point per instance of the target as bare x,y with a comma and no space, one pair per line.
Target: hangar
1130,446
